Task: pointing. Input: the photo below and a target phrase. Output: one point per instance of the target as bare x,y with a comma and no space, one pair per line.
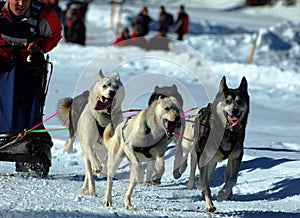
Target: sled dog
167,91
218,133
86,116
142,138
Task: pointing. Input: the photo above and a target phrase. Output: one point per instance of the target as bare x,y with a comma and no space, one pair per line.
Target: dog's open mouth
234,123
169,127
103,103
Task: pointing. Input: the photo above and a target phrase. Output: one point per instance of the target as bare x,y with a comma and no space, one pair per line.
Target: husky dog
142,138
86,116
218,133
167,91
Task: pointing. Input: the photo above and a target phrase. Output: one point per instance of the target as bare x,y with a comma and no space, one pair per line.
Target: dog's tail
64,108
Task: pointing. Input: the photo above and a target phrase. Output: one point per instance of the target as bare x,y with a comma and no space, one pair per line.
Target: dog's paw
224,195
101,175
68,148
211,209
156,182
130,207
93,194
148,183
107,202
190,184
152,183
176,174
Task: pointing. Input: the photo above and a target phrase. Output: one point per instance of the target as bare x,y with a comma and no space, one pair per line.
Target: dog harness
205,119
144,150
227,154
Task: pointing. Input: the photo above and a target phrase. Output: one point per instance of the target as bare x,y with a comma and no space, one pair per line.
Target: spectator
137,38
165,20
142,21
181,26
121,40
75,28
74,22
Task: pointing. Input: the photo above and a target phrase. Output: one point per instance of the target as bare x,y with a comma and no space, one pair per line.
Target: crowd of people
166,23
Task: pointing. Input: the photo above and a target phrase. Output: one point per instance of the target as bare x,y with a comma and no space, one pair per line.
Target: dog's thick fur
142,138
86,116
167,91
218,133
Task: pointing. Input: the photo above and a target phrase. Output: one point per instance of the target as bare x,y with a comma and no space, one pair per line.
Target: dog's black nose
112,93
235,112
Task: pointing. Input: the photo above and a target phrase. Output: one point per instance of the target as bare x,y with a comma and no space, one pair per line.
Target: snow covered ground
222,34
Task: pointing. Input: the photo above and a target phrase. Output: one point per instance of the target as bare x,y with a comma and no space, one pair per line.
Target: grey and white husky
86,116
218,132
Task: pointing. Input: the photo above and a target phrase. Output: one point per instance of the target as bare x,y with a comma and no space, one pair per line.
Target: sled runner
23,87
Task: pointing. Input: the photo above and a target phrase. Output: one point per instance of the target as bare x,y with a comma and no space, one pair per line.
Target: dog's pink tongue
99,105
233,121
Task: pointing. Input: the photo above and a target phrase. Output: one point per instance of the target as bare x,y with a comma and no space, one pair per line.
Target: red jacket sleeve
186,25
50,29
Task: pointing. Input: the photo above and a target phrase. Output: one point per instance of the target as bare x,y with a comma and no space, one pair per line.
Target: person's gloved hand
33,47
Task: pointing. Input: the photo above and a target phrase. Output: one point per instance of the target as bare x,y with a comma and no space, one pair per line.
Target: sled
23,89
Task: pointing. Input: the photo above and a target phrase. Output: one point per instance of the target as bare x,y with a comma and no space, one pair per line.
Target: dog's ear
223,86
100,74
244,85
116,75
156,88
159,99
174,87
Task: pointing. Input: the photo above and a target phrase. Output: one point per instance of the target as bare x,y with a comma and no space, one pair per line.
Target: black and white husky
218,133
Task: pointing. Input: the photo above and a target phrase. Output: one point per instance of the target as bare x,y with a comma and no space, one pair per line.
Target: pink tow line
48,118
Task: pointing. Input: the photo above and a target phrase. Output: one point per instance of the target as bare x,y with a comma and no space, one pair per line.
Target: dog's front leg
108,198
159,170
113,161
178,159
136,175
203,184
69,144
190,184
231,174
89,183
185,147
127,196
150,171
